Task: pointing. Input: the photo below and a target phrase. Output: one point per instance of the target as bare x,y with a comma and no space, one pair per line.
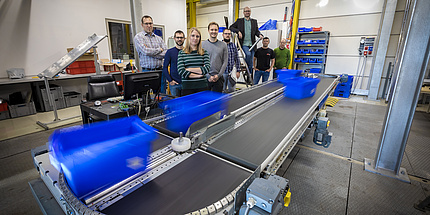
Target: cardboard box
89,55
109,66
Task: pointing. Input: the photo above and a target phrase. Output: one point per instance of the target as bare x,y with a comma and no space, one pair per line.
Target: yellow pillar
192,9
236,11
294,31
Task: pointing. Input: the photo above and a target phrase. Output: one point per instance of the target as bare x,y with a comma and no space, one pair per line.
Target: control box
366,46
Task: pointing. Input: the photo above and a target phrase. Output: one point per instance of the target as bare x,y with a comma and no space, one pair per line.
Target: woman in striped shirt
193,64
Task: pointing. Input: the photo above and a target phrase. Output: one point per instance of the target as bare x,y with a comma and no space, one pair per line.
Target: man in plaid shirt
233,60
151,49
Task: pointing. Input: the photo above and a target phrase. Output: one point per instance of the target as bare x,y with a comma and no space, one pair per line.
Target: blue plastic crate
319,60
287,73
300,42
344,89
314,42
297,60
321,42
308,29
312,60
320,51
342,94
315,70
95,157
300,87
189,109
298,51
313,51
345,85
305,51
302,29
305,60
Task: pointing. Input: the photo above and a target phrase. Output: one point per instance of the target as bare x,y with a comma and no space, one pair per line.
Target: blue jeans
227,84
258,74
249,57
175,90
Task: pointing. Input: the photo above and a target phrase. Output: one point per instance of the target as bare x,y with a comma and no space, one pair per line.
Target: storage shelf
307,37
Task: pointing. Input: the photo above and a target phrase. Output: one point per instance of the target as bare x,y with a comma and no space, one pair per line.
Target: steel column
411,65
382,47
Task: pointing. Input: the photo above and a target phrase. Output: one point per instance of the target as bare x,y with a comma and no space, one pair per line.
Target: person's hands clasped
173,82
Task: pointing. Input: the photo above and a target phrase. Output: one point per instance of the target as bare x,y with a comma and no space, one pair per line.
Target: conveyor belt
235,102
250,144
195,183
161,142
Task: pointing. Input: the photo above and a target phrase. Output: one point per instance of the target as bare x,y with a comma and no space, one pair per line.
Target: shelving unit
310,51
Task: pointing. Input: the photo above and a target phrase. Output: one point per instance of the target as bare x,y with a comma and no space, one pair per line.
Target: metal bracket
369,165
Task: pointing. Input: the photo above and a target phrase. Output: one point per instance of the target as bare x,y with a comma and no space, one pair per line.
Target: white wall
35,34
170,13
347,21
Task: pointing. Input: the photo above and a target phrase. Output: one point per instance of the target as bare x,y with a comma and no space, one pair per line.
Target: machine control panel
366,46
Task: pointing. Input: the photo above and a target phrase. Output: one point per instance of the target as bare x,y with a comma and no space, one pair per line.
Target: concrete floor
322,180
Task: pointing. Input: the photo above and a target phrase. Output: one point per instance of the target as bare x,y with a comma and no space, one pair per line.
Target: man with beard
233,60
171,58
218,54
265,58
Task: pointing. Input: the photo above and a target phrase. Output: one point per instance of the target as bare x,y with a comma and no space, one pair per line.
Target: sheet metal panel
195,183
250,144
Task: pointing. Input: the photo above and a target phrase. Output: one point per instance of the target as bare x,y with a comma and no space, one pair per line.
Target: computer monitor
140,83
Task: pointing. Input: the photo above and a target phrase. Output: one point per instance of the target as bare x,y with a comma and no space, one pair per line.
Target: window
120,38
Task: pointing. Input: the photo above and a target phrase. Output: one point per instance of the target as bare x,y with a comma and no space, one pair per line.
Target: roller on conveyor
218,175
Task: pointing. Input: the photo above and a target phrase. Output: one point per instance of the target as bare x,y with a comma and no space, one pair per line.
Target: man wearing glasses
150,47
171,58
233,61
247,29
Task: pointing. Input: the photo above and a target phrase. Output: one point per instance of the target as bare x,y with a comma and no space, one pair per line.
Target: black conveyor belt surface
161,142
250,144
240,100
195,183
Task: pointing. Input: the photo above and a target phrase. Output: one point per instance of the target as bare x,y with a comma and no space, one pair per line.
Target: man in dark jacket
247,29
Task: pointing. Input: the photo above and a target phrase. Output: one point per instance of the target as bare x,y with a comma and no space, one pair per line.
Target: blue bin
319,60
305,60
96,157
321,42
314,41
302,29
300,42
315,70
300,87
314,51
308,29
312,60
298,51
287,73
297,60
188,109
320,51
305,51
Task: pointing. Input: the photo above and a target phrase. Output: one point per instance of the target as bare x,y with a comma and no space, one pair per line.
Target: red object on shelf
365,53
370,52
3,106
74,71
80,64
317,29
366,47
81,67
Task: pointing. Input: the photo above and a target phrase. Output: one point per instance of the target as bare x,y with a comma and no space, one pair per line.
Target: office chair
101,87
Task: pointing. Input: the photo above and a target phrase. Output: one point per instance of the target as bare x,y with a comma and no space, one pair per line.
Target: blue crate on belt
300,87
287,73
188,109
96,157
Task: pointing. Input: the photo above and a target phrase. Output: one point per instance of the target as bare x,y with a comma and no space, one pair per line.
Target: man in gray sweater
218,55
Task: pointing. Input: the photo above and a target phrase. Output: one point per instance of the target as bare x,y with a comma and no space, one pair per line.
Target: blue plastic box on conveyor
287,73
95,157
300,87
188,109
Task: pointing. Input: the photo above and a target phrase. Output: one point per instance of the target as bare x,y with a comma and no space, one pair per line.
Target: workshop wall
35,34
347,22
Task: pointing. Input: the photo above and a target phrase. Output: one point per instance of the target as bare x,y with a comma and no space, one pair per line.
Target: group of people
197,65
